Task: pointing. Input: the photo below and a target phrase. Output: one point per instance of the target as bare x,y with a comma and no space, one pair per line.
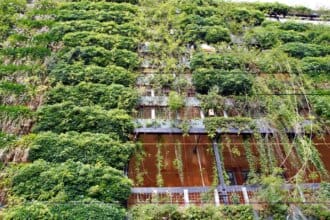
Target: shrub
316,65
261,38
291,36
216,34
153,211
67,181
86,38
228,82
87,94
75,73
239,15
21,52
217,61
273,8
301,50
102,57
85,147
119,17
173,212
294,26
66,117
175,101
64,211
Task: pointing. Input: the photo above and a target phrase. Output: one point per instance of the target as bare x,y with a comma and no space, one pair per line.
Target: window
231,177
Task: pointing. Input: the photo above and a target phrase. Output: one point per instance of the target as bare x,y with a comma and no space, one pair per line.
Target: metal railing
236,194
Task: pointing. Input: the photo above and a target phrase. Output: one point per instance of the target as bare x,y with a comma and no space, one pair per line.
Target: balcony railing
237,194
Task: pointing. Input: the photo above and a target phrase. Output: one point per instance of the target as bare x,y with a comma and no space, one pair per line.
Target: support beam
221,179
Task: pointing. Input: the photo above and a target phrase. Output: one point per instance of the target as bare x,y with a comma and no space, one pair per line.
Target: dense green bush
301,50
14,112
316,65
119,17
291,36
321,105
64,211
86,38
98,5
88,148
102,57
67,181
233,82
249,16
173,212
273,8
216,34
9,10
75,73
6,139
261,38
88,94
276,61
22,52
66,117
217,61
62,28
294,26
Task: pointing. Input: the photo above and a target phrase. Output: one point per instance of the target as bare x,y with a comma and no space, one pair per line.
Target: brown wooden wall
198,160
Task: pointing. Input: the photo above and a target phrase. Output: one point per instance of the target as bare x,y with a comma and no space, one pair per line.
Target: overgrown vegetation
67,76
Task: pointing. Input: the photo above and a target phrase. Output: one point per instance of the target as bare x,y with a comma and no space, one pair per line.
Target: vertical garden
69,93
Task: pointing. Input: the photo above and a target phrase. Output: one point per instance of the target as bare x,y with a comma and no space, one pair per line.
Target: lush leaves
64,211
87,148
87,94
75,73
66,116
45,181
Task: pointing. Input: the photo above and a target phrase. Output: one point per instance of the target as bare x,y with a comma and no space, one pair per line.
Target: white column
245,195
153,113
186,196
202,114
152,91
216,197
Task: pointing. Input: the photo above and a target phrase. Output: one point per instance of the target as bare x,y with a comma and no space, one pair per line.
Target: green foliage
294,26
216,61
14,112
272,193
9,9
66,117
301,50
243,15
85,147
316,65
173,212
273,8
276,61
87,94
175,101
261,38
216,34
212,124
154,212
67,181
73,74
22,52
6,139
62,28
315,211
64,211
87,38
119,17
233,82
102,57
